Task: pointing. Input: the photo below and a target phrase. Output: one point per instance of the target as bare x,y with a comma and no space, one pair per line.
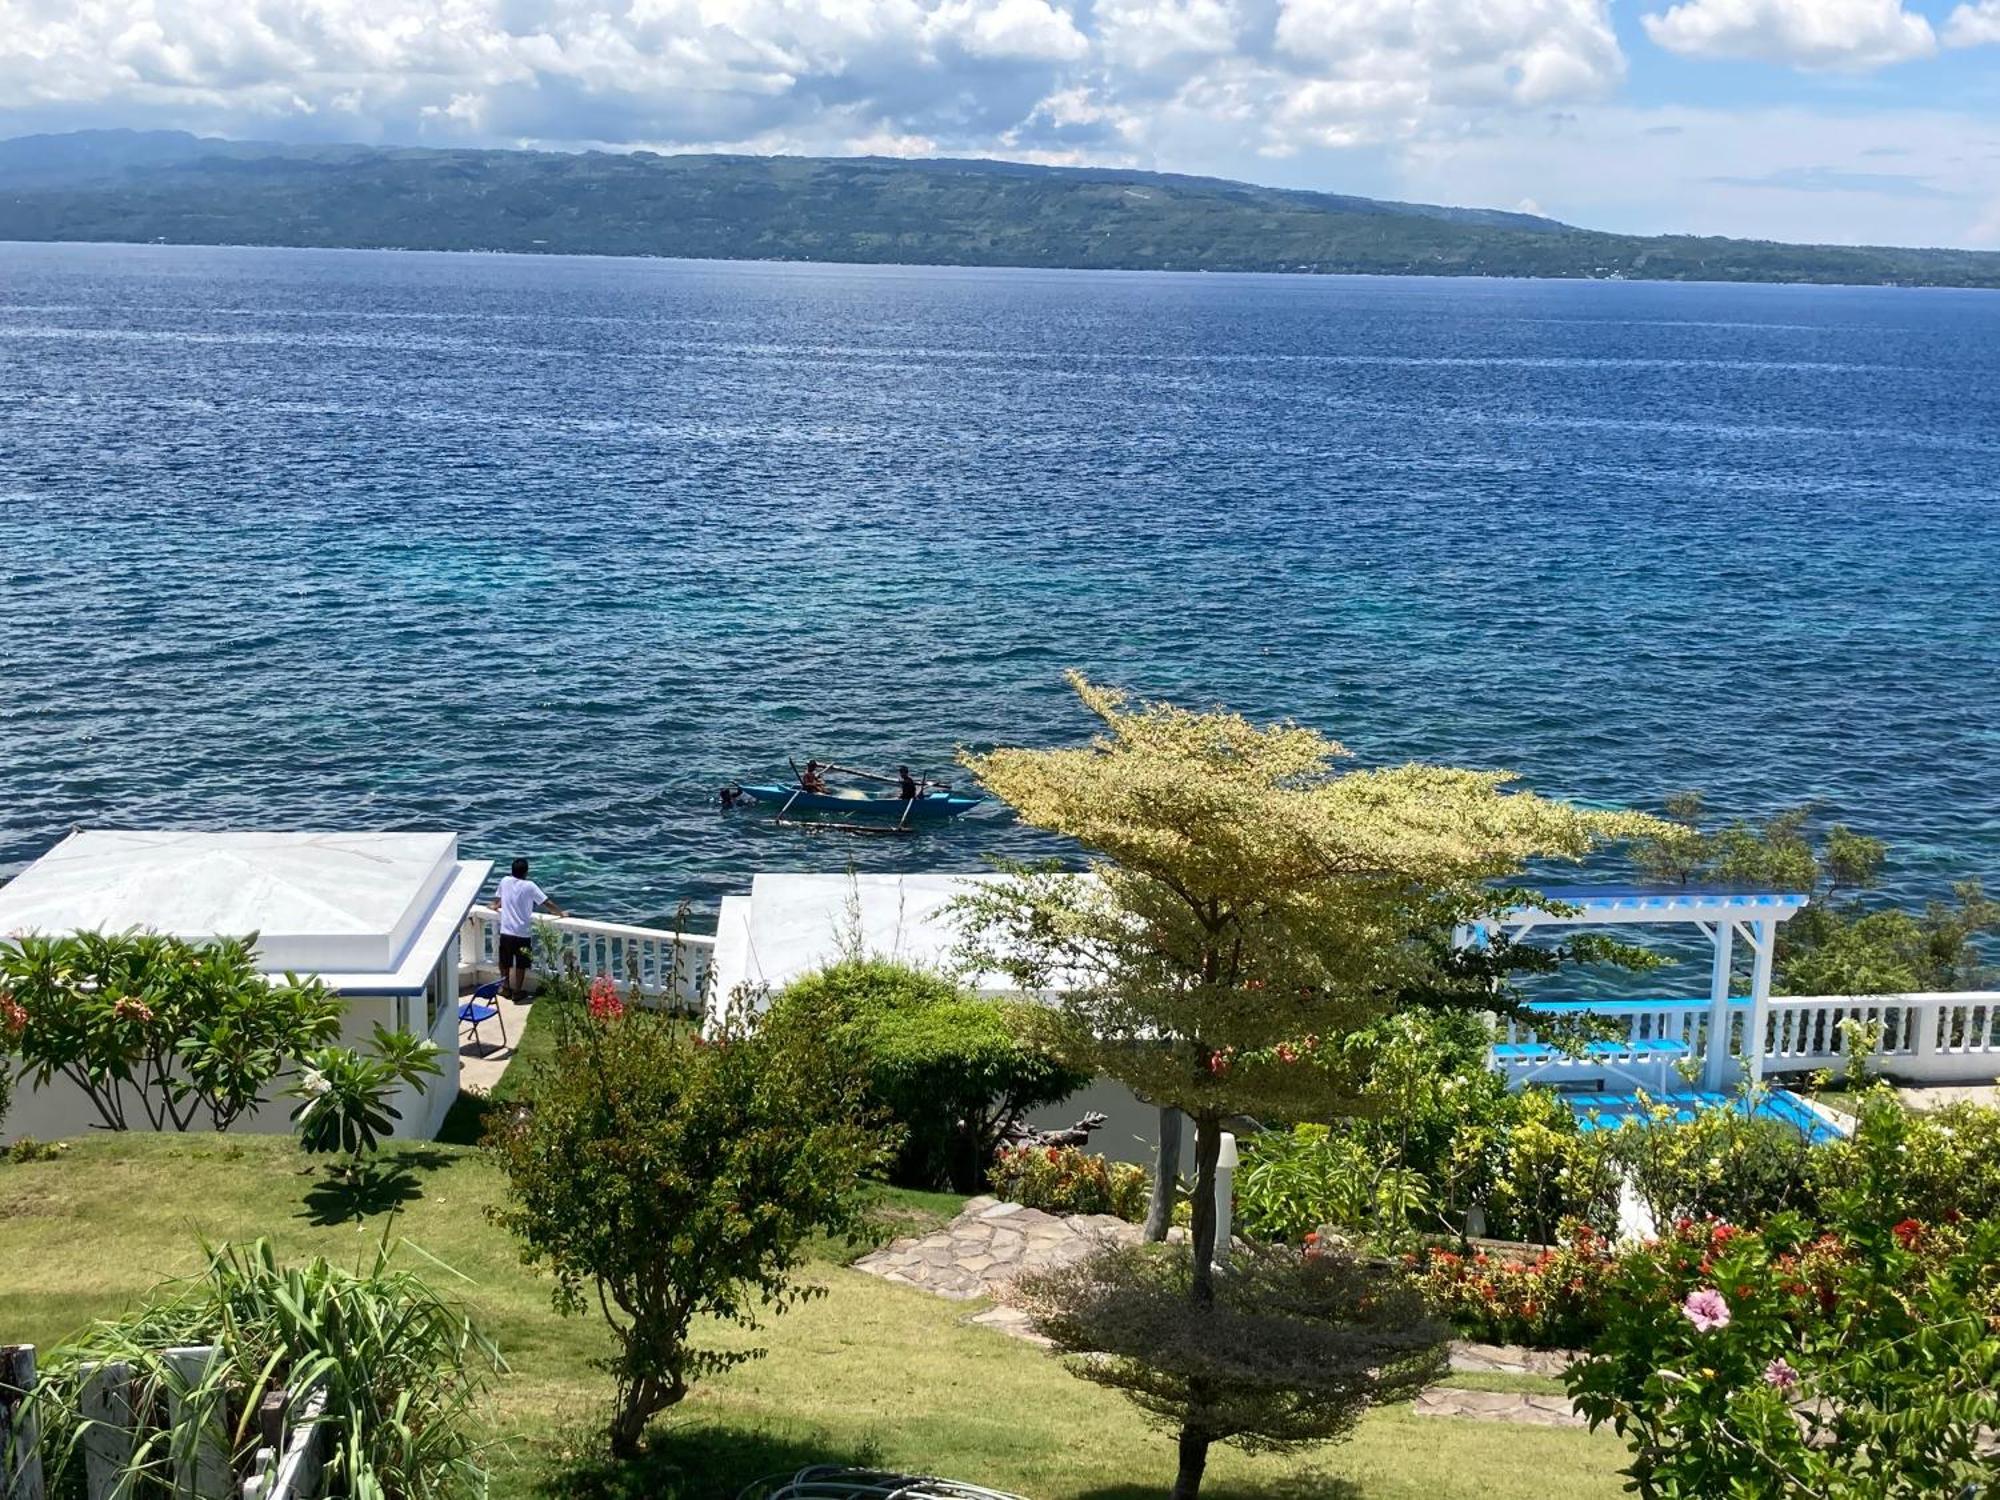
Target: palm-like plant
344,1094
400,1367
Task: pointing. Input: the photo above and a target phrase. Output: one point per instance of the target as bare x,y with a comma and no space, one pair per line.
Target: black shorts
513,950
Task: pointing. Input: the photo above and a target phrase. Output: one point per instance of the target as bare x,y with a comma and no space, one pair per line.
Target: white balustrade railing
1915,1038
1951,1037
669,968
1683,1022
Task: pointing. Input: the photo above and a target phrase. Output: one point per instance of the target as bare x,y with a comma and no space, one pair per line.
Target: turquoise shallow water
546,549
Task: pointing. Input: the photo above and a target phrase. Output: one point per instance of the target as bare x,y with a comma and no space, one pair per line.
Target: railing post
20,1431
108,1441
1930,1020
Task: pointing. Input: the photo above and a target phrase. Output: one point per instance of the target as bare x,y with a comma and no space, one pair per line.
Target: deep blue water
545,550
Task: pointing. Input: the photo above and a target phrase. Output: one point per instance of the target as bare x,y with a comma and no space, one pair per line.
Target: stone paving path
978,1255
981,1251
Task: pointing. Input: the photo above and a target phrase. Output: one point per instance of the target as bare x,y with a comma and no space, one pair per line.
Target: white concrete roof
361,906
791,925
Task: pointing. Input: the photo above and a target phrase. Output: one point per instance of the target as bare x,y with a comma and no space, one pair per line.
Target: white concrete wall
62,1110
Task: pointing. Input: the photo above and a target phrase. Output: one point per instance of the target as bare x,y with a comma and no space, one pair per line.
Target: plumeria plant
344,1094
157,1031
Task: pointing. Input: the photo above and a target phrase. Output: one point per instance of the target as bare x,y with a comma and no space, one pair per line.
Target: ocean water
545,550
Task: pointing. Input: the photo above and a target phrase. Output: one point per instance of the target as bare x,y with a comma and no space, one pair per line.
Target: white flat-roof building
791,925
376,916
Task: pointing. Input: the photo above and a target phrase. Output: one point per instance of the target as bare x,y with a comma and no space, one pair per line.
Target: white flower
313,1082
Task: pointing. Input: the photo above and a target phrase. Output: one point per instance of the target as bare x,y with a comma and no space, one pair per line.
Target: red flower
1909,1234
13,1018
605,1002
1055,1154
129,1008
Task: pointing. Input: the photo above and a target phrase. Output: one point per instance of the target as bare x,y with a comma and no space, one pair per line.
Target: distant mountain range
183,189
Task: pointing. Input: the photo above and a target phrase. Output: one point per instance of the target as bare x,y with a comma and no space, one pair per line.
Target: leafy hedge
949,1067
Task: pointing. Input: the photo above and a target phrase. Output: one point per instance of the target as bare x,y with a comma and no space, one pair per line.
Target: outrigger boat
880,812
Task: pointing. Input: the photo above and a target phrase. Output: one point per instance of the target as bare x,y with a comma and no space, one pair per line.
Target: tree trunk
1166,1177
638,1399
1201,1224
1194,1462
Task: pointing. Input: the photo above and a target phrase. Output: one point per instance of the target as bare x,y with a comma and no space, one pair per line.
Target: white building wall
62,1110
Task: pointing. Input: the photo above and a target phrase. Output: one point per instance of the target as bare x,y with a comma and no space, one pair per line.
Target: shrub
401,1367
1901,1165
1552,1300
1780,1364
950,1068
1519,1159
1549,1171
1722,1164
1291,1351
663,1177
184,1030
1290,1183
1065,1180
345,1093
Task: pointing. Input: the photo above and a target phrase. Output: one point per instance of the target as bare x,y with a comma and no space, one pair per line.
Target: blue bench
1534,1052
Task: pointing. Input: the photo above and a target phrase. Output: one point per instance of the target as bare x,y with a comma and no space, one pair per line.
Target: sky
1842,121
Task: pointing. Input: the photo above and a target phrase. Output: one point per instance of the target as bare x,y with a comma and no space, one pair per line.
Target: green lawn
870,1372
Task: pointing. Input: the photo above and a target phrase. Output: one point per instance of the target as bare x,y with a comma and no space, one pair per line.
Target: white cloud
1060,77
1028,29
1817,35
1146,34
1477,52
1973,25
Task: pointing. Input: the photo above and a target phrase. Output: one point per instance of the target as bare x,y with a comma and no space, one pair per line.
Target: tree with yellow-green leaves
1249,913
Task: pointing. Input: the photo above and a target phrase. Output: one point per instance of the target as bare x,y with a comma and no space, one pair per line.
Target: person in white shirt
519,899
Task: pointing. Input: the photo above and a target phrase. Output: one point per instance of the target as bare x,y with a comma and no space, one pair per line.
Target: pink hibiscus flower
1706,1310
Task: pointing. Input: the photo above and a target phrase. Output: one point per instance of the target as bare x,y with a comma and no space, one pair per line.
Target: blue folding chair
481,1008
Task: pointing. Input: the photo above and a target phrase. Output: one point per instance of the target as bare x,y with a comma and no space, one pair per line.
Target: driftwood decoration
1017,1132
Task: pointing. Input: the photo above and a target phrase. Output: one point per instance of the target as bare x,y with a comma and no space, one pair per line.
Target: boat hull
932,807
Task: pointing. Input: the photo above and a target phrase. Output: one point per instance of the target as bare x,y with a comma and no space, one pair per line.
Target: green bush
1780,1364
1446,1141
1064,1180
665,1177
950,1068
1290,1183
1901,1165
1722,1164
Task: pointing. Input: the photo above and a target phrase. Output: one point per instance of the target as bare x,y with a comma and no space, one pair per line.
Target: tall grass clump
401,1367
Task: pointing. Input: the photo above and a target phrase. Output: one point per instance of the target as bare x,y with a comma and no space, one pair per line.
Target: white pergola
1720,916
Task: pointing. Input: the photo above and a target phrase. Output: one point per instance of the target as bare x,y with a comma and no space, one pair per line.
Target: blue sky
1833,120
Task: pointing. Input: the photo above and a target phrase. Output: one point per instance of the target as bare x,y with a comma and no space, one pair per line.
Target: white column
1764,935
1225,1196
1715,1060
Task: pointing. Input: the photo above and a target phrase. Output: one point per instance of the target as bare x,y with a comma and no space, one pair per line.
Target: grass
871,1372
